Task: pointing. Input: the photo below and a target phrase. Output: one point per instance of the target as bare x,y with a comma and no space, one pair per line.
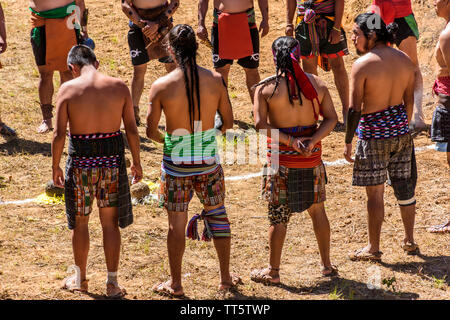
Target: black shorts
407,27
250,62
138,53
326,49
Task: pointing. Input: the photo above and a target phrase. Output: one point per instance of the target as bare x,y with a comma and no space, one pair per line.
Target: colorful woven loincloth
87,153
385,124
440,126
190,155
287,156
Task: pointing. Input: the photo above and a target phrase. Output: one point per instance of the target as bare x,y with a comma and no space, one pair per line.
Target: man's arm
154,115
330,117
130,12
291,6
335,34
202,33
225,109
59,136
3,44
264,26
357,83
132,133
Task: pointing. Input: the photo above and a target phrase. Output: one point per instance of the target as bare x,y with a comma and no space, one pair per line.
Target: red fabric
235,41
305,85
442,86
389,10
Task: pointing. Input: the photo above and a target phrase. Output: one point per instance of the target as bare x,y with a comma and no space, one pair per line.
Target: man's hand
202,33
58,177
3,45
264,28
348,153
150,30
335,36
136,172
289,30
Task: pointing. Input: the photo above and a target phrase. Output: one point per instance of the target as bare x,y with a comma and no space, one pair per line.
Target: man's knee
338,65
375,193
81,221
46,76
139,71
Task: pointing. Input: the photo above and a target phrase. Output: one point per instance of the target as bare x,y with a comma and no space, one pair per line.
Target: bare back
233,6
148,4
44,5
170,94
95,103
443,69
283,114
386,77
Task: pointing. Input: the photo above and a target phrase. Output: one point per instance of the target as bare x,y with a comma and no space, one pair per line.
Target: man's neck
88,70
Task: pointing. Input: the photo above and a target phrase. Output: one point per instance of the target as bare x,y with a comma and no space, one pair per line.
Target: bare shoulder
318,83
68,89
213,76
444,37
266,86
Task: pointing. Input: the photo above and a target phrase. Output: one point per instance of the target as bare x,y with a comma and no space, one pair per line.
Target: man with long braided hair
288,106
190,162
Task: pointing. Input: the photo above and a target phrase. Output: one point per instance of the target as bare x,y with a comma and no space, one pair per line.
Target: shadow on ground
19,145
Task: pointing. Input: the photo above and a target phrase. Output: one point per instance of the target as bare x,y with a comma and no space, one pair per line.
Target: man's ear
97,64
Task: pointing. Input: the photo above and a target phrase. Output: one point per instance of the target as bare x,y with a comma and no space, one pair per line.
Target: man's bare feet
46,126
165,288
365,254
232,282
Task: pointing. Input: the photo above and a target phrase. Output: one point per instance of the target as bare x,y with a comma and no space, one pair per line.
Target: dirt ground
35,245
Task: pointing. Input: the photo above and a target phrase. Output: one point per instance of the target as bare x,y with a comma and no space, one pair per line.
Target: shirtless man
440,128
191,117
382,102
150,21
290,109
322,40
235,36
53,34
94,105
400,12
5,131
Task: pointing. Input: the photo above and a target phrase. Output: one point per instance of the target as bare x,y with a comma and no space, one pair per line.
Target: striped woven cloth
190,155
384,124
287,156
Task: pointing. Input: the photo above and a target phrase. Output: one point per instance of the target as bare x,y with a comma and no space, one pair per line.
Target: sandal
364,255
331,271
411,248
441,228
164,288
6,131
70,283
114,291
263,276
235,280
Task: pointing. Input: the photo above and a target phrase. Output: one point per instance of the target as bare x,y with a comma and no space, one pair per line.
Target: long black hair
282,49
184,45
372,22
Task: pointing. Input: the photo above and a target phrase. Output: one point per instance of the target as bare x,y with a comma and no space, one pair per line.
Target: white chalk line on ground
337,163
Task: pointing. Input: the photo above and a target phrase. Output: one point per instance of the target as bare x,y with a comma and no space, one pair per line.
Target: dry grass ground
35,247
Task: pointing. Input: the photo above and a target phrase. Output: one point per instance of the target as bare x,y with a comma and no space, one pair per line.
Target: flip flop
114,291
70,284
363,255
331,271
262,276
411,248
164,288
235,280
